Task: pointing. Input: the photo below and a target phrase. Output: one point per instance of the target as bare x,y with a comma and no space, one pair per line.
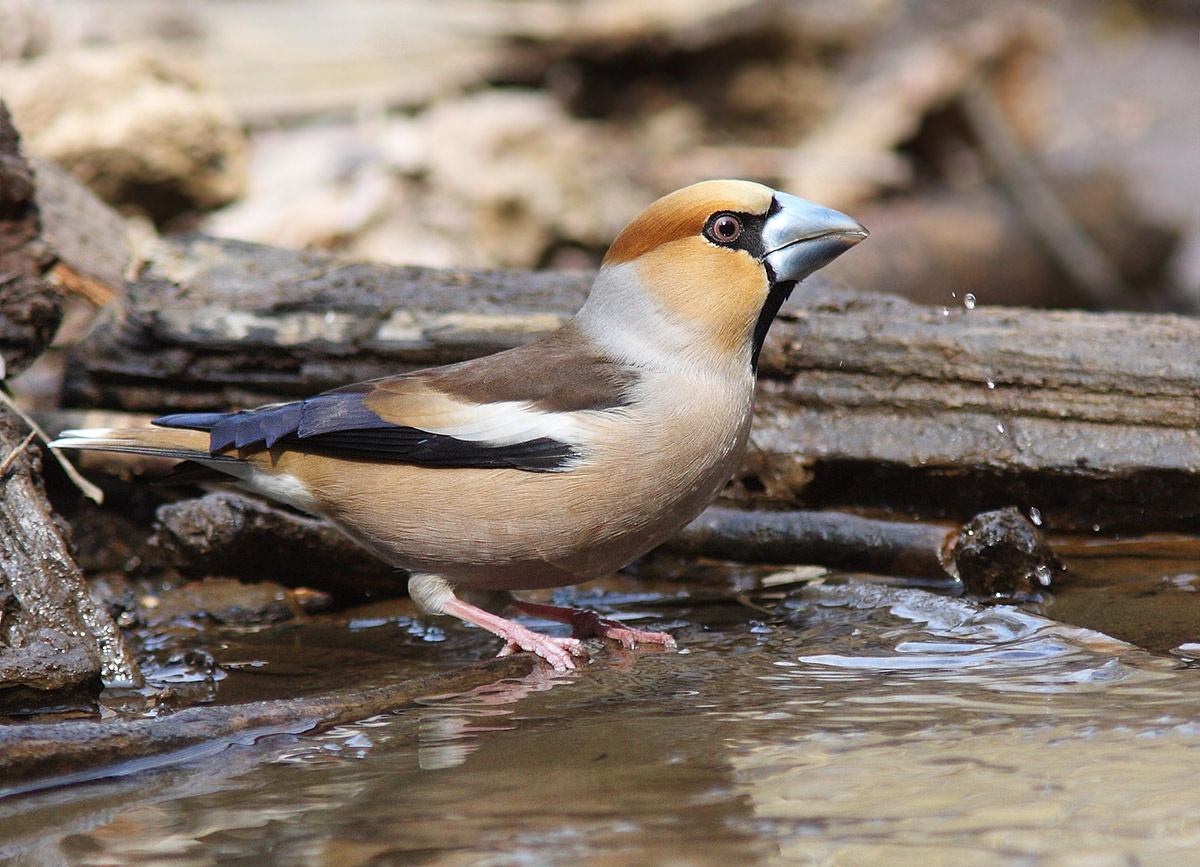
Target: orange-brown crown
683,213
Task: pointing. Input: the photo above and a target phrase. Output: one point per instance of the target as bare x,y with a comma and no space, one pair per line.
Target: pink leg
585,623
556,651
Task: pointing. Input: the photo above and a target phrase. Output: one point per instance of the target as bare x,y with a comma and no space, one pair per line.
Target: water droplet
1000,427
1035,515
991,385
953,294
1042,574
1095,528
969,301
945,311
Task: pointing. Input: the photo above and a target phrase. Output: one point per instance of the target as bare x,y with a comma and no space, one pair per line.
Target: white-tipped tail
185,445
192,445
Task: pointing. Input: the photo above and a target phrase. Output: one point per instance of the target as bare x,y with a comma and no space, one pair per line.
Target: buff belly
537,529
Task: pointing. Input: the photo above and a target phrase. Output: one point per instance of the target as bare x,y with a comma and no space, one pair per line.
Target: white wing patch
507,423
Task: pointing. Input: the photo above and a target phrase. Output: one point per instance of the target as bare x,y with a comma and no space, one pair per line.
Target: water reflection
847,724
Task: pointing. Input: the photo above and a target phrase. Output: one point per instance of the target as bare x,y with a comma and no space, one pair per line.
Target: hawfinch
558,461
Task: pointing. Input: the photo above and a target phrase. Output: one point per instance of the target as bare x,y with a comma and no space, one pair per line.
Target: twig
830,538
12,456
996,554
89,490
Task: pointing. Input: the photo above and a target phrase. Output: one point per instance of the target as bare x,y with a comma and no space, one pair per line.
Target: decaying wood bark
865,399
53,634
29,308
87,237
1091,418
220,323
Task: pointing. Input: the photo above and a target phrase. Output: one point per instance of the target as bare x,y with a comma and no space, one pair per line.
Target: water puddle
841,723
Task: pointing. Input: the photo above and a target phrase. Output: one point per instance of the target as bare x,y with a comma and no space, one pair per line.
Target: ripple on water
917,659
860,725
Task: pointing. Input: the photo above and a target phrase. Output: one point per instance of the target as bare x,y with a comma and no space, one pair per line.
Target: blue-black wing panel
340,425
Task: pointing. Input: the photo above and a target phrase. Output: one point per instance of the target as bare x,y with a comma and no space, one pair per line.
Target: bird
555,462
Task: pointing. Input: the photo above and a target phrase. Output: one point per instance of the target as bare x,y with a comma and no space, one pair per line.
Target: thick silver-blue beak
801,237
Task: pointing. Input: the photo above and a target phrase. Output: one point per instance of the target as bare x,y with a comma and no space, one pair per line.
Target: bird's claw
631,638
559,652
585,624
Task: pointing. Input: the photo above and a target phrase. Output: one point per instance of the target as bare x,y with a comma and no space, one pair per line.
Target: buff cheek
718,290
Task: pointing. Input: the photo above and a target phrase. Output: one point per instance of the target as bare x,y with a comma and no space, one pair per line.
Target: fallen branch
215,323
15,453
995,554
88,489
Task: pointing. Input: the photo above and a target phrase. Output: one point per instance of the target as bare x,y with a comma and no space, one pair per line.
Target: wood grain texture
30,309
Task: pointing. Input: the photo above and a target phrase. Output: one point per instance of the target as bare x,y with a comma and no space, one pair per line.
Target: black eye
725,229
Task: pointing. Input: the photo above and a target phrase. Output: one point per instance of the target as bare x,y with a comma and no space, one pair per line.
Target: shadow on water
850,722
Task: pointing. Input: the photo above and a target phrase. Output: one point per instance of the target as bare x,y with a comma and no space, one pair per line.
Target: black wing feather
340,425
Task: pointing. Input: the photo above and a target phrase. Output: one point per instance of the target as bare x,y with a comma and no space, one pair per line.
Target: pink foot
586,623
556,651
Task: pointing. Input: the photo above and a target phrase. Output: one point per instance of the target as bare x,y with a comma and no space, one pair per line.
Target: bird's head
706,268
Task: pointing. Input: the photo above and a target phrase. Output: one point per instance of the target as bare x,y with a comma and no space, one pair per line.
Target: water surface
835,724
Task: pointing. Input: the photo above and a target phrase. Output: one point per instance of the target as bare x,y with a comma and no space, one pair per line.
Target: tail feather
185,445
192,420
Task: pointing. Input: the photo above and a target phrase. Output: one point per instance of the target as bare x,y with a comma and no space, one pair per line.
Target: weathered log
219,323
1091,418
864,399
53,634
30,309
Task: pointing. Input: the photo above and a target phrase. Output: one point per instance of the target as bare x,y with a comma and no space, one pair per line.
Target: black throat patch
778,293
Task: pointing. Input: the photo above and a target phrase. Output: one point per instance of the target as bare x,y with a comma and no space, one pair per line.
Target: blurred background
1040,155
